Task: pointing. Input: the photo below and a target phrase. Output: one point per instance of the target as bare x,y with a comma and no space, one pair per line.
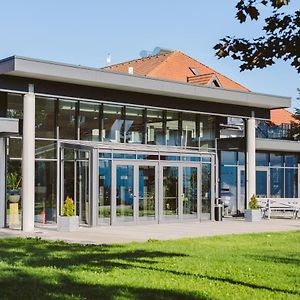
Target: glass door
125,192
148,190
190,195
262,182
135,191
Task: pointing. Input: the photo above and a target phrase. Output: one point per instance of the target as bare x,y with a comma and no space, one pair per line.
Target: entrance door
180,191
262,182
135,191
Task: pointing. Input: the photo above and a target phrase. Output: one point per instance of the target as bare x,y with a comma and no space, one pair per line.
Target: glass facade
58,119
276,177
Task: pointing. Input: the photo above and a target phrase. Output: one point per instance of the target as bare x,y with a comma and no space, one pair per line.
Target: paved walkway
141,233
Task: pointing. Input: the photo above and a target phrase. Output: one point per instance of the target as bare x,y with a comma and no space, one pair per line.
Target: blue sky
84,32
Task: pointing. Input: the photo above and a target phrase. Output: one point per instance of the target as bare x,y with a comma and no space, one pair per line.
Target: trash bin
218,212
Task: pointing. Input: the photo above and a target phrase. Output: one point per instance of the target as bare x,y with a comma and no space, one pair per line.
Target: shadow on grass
21,285
20,253
277,259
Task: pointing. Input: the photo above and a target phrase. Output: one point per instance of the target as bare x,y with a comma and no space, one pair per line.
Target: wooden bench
279,204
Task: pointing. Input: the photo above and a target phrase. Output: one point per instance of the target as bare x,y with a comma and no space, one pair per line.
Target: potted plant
13,183
68,221
253,213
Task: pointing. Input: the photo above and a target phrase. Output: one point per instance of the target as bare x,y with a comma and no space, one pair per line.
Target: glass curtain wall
173,129
189,133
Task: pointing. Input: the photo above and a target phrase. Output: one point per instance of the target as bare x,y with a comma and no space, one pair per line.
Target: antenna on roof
108,58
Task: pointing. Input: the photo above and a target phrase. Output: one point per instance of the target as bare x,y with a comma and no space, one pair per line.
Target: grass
252,266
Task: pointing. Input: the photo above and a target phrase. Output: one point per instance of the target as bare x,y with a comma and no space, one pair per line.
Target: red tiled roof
281,116
172,66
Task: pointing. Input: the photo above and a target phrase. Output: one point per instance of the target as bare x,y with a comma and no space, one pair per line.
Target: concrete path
141,233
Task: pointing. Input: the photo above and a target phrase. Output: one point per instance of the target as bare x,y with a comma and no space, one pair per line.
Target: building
131,149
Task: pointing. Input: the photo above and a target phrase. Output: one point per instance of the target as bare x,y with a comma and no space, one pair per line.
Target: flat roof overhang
9,127
60,72
278,145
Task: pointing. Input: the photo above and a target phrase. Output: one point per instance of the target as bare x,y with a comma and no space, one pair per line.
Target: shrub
253,204
68,209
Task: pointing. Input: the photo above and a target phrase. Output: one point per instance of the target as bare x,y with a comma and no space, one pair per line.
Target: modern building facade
131,149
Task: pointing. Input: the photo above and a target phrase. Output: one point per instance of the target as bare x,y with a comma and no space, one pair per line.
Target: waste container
218,212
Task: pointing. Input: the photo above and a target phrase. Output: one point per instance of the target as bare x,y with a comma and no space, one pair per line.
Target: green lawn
252,266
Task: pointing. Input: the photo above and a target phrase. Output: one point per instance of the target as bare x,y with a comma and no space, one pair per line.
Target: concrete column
251,161
2,182
28,162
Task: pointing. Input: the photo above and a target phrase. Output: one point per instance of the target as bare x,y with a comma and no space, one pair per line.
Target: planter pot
14,198
252,215
67,224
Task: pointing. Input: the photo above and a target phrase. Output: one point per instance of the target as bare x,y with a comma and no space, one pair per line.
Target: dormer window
194,71
215,83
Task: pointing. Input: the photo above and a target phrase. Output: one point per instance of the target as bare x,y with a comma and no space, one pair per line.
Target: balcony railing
270,131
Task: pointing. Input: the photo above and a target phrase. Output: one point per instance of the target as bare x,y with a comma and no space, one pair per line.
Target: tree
295,126
280,41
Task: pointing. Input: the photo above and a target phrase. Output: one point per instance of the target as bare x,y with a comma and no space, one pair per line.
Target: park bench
267,205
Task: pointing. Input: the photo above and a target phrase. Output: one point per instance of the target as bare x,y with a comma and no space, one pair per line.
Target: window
194,71
89,121
189,134
45,117
134,125
112,124
155,128
67,119
173,135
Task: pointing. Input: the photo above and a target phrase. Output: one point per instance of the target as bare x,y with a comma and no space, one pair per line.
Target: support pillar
2,182
251,161
28,162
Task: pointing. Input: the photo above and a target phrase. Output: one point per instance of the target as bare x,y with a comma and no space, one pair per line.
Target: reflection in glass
170,191
276,159
89,121
147,192
67,119
68,179
104,190
189,136
155,128
229,158
14,106
173,135
14,147
206,192
112,124
82,190
277,183
291,160
45,149
241,197
45,117
134,125
261,184
207,131
262,159
189,198
45,191
124,192
291,178
229,188
13,193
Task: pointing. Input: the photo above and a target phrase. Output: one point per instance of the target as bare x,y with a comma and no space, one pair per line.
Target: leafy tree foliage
281,39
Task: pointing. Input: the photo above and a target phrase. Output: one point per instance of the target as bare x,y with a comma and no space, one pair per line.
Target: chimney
130,70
